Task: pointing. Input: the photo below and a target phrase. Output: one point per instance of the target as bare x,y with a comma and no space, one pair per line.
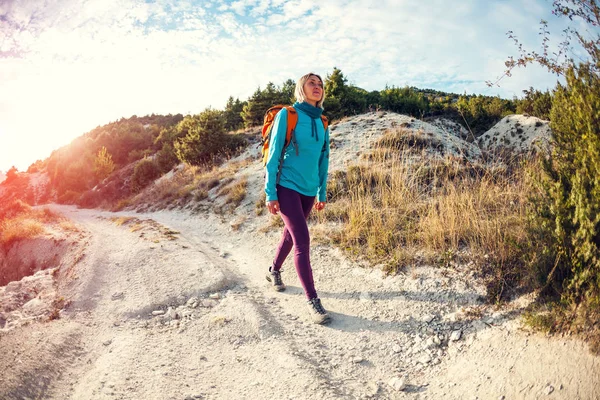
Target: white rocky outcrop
517,133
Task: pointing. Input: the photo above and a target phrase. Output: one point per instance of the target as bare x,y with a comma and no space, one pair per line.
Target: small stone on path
208,303
432,342
428,318
192,302
425,359
397,383
172,314
455,335
478,325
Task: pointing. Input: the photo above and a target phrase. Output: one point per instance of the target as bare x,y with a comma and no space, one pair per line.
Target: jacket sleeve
276,143
323,169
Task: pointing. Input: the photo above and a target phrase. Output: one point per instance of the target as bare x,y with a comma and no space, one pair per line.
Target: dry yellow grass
238,222
122,220
167,189
122,204
47,215
189,183
19,221
20,228
398,204
68,226
261,204
485,214
136,227
236,192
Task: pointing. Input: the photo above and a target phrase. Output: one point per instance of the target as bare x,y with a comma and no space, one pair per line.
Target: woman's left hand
319,205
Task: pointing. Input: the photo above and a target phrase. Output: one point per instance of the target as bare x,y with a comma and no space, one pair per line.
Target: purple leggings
294,208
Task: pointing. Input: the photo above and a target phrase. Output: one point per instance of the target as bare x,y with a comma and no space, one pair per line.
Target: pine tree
232,114
103,164
11,174
257,105
254,110
535,103
335,92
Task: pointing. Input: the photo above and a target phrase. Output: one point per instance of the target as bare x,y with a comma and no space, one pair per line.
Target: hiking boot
275,278
317,312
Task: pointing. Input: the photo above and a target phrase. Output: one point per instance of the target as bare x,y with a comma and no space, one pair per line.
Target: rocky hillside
351,139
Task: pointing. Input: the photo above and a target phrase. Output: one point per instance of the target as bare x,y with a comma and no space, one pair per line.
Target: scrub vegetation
400,208
567,190
19,221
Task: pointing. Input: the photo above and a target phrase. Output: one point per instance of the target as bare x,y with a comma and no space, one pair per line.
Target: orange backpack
292,120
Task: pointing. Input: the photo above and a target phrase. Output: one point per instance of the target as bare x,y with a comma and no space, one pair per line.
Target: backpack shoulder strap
292,121
325,121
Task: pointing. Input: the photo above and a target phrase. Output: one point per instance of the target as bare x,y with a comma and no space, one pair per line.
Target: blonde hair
299,93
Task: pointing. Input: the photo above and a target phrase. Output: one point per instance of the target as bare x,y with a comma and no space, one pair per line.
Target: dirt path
173,306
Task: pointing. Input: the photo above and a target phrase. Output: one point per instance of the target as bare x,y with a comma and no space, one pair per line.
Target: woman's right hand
273,206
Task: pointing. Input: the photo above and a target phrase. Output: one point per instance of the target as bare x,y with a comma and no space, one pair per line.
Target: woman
291,187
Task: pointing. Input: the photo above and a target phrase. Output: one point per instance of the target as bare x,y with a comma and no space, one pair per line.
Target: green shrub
138,154
535,103
69,197
91,199
204,139
166,158
569,210
144,172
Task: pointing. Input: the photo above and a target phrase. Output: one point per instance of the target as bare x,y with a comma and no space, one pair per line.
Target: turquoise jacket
305,162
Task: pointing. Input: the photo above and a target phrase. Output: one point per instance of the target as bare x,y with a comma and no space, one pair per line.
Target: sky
68,66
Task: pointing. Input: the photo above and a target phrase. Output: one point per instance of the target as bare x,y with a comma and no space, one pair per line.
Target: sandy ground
170,305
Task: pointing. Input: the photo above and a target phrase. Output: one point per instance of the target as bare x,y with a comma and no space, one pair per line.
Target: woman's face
313,90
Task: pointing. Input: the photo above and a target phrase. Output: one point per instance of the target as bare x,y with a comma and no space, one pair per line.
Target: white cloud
262,7
240,6
292,11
